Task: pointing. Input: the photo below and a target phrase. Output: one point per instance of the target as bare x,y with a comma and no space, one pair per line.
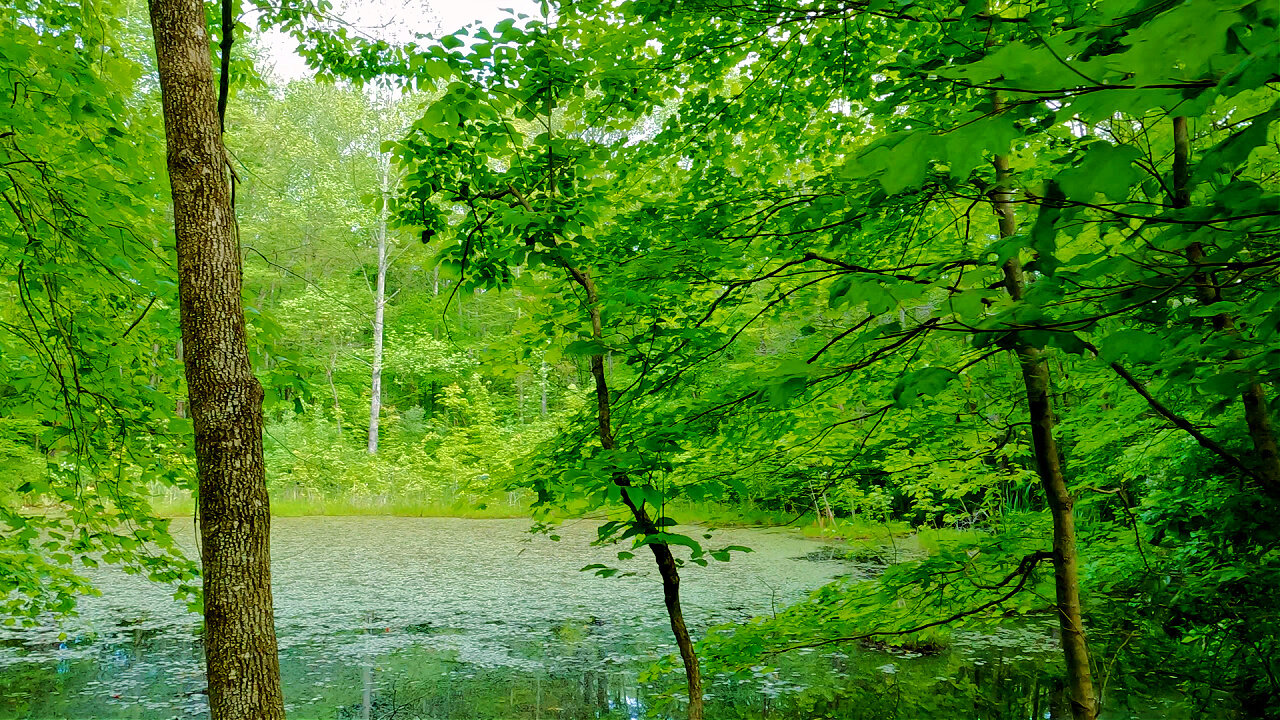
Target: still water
403,618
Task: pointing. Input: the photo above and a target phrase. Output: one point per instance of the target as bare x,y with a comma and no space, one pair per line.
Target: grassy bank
290,504
307,506
857,532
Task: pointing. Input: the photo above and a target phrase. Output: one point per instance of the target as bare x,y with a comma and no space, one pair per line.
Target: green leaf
1137,345
1105,169
925,382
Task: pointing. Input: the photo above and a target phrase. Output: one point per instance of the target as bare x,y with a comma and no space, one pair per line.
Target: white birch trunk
379,307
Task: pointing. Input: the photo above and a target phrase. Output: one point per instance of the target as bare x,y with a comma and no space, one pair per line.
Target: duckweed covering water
468,619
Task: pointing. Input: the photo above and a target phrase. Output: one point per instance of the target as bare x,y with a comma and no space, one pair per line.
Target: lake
382,618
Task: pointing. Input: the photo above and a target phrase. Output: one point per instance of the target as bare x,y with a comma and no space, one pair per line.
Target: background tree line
1009,267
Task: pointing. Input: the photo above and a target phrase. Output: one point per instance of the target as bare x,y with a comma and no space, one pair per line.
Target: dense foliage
87,325
800,220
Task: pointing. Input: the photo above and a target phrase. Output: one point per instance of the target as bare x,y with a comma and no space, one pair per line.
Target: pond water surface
404,618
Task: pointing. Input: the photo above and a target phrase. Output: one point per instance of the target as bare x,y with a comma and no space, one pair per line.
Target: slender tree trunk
520,398
379,308
337,407
666,562
1256,415
225,398
543,378
1035,376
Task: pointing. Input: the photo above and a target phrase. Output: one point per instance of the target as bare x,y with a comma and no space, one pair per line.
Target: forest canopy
1000,275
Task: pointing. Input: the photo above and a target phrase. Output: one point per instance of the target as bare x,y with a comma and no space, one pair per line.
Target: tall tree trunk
543,380
333,389
666,562
520,398
225,398
1256,415
379,308
1035,377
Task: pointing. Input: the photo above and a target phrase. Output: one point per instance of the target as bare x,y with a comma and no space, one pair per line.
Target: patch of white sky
395,21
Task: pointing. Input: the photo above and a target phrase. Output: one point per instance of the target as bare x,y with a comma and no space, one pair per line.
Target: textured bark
661,551
225,397
1035,377
1256,415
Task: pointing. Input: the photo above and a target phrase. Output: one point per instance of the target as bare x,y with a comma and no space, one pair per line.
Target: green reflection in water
474,619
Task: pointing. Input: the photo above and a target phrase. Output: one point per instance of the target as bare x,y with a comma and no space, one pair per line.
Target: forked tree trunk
225,398
661,551
1256,415
1035,377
